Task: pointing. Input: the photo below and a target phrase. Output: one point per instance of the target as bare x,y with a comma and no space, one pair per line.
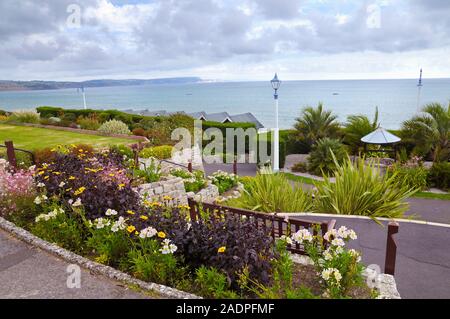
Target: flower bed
85,202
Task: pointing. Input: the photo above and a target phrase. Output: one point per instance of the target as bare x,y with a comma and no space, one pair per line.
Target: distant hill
55,85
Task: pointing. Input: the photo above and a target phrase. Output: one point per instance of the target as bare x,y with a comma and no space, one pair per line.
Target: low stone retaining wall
158,191
206,195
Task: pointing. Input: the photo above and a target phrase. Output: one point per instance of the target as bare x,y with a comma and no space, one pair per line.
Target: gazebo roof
380,136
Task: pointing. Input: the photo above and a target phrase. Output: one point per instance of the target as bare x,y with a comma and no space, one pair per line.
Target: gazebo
380,137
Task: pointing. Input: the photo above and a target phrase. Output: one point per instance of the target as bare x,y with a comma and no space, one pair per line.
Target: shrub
25,116
139,131
98,180
44,155
114,127
211,283
60,227
361,189
273,193
300,167
3,118
109,247
224,181
439,175
150,264
149,174
193,182
17,192
321,159
88,123
339,267
123,150
412,174
159,152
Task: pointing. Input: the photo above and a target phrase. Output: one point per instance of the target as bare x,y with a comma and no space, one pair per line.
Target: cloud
240,39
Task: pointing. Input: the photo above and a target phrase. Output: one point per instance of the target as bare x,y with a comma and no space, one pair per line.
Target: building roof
223,117
380,136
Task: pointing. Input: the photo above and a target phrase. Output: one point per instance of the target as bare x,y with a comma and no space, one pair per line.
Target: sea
397,100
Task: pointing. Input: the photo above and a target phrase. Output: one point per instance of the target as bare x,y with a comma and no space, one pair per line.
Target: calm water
396,99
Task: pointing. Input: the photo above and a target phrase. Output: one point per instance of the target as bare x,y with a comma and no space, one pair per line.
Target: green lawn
31,138
310,181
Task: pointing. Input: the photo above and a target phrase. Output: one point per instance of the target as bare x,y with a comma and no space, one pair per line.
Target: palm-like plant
357,127
315,124
430,132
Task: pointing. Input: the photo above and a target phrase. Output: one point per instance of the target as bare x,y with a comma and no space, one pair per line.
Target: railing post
235,166
190,167
391,249
192,210
11,154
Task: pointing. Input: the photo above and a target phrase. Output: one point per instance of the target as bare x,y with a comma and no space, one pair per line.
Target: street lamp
276,152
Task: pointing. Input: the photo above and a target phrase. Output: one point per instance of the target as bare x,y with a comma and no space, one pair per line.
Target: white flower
37,200
329,234
77,203
352,234
329,272
338,242
40,185
111,212
301,236
342,232
339,250
119,225
61,184
167,247
101,223
326,273
337,275
286,239
356,254
327,255
148,232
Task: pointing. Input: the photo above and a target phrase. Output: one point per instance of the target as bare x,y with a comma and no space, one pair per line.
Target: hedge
282,147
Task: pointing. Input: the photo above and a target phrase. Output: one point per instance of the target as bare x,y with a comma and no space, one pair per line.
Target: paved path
27,272
423,255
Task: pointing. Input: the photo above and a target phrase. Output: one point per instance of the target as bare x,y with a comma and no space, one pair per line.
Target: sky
224,40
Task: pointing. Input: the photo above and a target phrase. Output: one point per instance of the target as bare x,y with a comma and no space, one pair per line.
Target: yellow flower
121,186
112,175
183,207
143,217
71,178
68,189
130,212
41,173
136,233
166,197
161,234
131,229
80,150
79,191
57,173
221,249
46,177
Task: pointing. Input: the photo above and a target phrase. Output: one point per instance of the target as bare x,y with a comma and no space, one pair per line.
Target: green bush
273,193
123,150
300,167
211,283
114,127
193,182
415,177
361,189
224,181
25,116
321,159
439,176
159,152
89,124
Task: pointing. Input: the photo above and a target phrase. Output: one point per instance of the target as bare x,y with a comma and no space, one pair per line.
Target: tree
315,124
430,132
357,127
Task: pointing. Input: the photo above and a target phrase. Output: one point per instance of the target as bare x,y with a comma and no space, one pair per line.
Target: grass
32,138
310,181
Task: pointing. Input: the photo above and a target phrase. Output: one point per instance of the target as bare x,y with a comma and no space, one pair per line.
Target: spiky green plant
357,127
273,193
361,189
321,159
315,123
430,132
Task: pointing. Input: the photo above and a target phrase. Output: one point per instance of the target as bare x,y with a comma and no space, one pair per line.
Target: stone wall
170,186
209,194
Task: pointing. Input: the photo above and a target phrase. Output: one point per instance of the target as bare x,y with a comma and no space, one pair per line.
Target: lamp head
275,82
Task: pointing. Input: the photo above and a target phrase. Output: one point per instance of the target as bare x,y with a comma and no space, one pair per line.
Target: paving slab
28,272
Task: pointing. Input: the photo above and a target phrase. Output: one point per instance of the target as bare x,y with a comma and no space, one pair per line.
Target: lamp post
276,151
